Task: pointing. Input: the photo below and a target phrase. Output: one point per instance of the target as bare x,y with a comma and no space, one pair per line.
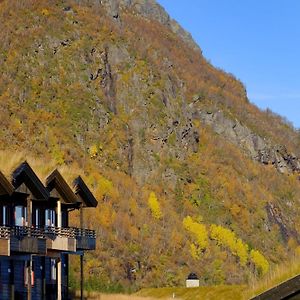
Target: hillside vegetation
190,176
278,275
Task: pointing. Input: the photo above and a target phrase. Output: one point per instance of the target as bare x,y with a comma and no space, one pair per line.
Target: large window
4,220
50,217
21,216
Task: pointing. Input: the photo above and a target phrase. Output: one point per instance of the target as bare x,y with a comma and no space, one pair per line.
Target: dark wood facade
35,237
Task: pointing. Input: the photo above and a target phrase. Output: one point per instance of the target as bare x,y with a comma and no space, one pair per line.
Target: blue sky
256,40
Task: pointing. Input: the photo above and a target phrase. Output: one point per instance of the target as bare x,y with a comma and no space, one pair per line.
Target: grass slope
233,292
101,296
276,276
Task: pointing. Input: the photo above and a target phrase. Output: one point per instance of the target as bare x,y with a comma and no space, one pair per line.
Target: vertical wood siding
5,287
19,283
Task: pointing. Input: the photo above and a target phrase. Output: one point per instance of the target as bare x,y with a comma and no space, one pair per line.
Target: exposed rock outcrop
107,82
255,146
275,216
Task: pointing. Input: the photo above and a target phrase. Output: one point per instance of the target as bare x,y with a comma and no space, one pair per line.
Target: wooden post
67,276
81,276
29,213
81,218
81,257
58,265
29,269
59,275
59,223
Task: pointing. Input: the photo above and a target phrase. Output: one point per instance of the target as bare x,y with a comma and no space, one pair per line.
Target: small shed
192,281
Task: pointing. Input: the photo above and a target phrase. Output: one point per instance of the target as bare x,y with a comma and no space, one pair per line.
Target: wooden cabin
35,237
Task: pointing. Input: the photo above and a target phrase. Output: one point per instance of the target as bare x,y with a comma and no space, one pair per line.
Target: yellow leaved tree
200,234
227,238
154,206
259,261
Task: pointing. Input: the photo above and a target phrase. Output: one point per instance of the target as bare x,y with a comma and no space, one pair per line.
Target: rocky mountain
189,174
150,10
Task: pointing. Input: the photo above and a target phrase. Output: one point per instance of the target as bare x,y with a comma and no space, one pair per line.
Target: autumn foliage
118,103
154,206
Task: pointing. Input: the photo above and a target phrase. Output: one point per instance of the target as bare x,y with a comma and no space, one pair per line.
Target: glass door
21,216
50,218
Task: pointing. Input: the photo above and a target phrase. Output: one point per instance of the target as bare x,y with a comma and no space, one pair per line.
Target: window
50,217
26,271
21,216
53,269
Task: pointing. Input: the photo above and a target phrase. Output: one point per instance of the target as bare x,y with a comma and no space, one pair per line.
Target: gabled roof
57,182
6,187
25,175
192,276
84,193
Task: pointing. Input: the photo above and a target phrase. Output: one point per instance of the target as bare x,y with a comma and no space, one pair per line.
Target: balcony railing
25,231
4,232
51,232
79,232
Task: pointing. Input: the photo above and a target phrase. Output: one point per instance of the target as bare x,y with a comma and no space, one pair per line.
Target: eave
6,188
84,193
57,182
24,175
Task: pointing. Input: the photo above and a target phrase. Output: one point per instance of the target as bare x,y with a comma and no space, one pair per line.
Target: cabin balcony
21,239
85,239
70,239
35,240
60,239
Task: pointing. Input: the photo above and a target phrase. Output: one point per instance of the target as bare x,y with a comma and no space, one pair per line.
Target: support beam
67,267
29,268
81,256
81,277
59,282
29,271
59,223
59,275
29,213
81,218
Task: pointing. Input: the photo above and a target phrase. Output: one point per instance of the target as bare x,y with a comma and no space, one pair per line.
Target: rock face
256,147
107,83
177,131
152,10
279,157
275,216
